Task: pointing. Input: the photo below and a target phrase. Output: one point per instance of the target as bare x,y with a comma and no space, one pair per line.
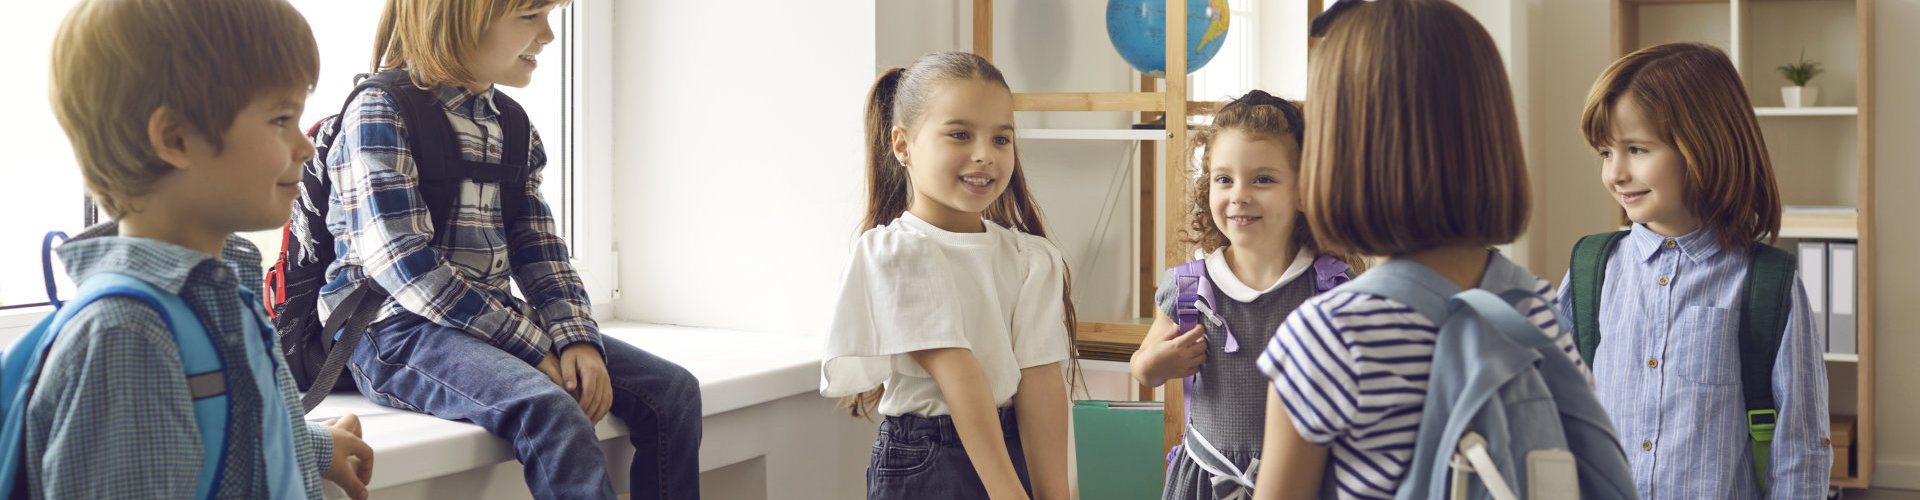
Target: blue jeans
919,457
412,364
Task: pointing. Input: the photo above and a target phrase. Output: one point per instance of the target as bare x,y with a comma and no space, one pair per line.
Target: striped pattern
111,417
1668,372
381,228
1351,370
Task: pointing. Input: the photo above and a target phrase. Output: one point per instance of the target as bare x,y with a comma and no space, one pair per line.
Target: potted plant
1800,95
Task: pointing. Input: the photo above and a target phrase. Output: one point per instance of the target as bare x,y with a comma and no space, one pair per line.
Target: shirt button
1671,244
1663,281
1826,442
1646,445
498,264
1653,363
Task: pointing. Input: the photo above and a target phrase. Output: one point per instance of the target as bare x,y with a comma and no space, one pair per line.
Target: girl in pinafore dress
1261,263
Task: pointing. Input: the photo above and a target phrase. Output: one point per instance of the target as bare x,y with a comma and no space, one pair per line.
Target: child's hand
1180,356
352,465
584,371
551,366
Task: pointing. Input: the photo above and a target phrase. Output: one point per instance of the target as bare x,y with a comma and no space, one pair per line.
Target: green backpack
1763,321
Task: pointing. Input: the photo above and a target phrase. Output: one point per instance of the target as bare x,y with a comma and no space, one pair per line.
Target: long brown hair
1413,142
897,99
1262,117
1693,97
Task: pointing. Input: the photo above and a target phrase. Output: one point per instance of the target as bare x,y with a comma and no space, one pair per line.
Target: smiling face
250,184
960,156
1252,191
1646,175
508,49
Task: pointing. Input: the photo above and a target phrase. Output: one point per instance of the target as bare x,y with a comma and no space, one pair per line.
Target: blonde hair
1695,101
435,39
1413,142
116,61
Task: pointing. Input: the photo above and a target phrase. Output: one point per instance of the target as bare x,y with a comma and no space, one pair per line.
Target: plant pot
1799,97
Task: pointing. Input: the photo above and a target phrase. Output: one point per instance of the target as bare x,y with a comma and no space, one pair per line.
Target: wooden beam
1148,208
1626,27
1176,175
983,28
1104,101
1869,238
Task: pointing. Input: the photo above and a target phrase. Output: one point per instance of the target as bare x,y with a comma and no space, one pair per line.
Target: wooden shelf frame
1626,21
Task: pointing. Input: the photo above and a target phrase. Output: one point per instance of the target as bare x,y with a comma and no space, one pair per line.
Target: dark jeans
409,363
919,457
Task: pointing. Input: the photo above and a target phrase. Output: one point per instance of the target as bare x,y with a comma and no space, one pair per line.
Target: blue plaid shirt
111,416
383,230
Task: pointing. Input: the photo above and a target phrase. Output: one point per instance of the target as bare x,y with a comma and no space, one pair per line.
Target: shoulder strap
429,139
515,125
1189,280
1763,323
205,375
1588,272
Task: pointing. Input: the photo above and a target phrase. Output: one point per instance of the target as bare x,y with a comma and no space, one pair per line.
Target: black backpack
314,355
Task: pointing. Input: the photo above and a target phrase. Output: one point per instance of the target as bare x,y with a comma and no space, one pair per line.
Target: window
1235,69
44,191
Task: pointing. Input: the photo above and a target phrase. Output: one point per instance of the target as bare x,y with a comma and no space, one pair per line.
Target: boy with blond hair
184,118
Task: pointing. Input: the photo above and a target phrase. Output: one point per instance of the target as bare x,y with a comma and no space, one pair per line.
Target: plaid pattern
383,230
111,416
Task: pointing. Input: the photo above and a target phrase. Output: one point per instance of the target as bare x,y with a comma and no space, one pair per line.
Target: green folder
1118,447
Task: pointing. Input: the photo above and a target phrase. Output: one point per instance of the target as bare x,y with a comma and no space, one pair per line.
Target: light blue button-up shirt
1668,372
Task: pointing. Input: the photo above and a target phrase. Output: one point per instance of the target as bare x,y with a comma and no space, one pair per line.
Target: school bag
1763,322
206,377
1506,415
316,351
1194,301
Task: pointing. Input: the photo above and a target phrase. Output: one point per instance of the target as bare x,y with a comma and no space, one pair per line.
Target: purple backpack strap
1329,272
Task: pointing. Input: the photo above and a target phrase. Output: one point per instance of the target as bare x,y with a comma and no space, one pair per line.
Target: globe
1138,30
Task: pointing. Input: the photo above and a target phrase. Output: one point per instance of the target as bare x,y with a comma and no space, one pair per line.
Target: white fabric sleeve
898,296
1039,317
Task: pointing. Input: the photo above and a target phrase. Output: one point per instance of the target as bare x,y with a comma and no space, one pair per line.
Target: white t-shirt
911,286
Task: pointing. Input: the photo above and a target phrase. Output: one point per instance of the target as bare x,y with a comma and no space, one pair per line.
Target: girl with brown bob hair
1412,153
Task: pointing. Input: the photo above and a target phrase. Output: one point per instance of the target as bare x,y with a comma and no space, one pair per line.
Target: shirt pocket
1704,346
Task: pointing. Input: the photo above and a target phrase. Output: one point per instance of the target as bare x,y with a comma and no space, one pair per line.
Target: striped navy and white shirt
1668,372
1351,369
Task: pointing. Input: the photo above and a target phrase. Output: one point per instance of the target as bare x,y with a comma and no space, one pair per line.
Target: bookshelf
1822,155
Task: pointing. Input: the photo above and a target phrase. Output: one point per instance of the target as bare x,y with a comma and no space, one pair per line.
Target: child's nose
302,148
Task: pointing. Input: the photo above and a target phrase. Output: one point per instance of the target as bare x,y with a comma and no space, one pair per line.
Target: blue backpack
1504,403
20,369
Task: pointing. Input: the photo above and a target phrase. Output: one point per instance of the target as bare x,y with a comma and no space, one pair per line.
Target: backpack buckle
1760,424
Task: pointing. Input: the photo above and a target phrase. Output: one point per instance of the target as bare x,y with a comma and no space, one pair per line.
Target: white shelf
1813,111
1093,134
1835,357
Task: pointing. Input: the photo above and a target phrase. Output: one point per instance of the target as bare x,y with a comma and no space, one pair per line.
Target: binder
1119,448
1842,298
1813,276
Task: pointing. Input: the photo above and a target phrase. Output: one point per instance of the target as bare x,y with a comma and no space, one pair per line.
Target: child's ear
167,135
900,145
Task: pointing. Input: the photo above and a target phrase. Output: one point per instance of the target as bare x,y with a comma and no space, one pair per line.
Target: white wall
737,168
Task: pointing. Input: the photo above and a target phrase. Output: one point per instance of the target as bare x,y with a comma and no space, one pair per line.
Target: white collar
1226,282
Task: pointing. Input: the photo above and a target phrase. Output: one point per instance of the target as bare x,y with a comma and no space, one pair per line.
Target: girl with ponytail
955,309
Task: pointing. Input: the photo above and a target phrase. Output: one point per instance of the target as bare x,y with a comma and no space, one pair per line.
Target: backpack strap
205,376
436,152
1763,322
1588,272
